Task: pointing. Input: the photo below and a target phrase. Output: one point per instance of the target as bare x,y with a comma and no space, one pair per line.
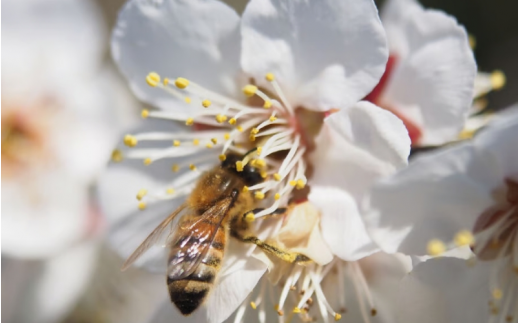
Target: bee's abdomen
189,293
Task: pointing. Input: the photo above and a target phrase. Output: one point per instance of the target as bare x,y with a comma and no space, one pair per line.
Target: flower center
270,134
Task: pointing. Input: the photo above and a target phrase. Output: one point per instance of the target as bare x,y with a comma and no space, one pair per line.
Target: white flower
464,195
451,290
303,67
430,75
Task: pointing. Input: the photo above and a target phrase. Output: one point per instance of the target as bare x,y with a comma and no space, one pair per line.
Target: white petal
433,84
357,146
198,40
443,192
332,53
341,224
394,16
445,290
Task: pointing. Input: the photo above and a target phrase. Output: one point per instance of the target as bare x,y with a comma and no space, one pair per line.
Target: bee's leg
272,249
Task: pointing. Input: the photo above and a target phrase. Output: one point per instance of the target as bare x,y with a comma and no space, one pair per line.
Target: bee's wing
153,238
195,239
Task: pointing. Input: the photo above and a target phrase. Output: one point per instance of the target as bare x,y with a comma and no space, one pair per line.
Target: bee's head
250,175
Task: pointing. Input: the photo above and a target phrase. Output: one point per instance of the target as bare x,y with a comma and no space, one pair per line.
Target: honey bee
214,211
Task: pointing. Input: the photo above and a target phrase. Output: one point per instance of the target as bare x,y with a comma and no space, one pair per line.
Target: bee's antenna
249,152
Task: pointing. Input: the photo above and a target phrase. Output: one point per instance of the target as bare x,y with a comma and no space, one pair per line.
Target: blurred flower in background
58,127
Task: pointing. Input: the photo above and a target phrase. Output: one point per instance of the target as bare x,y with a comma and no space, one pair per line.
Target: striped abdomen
188,293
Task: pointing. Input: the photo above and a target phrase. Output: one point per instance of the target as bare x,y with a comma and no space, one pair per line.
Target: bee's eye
251,175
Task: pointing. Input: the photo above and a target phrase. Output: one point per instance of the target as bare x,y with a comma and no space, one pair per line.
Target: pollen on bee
259,195
269,77
239,166
196,142
117,155
141,193
145,113
170,191
181,82
206,103
268,104
175,168
147,161
130,141
141,205
176,143
245,189
463,238
189,121
435,247
249,90
263,174
153,79
193,167
222,157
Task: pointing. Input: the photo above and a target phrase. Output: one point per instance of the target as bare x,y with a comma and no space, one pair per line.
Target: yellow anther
181,82
269,77
147,161
189,122
187,99
170,191
239,128
232,121
292,183
250,217
227,136
245,189
153,79
498,80
254,131
464,238
130,141
497,293
249,90
300,184
222,157
196,142
259,150
117,155
142,192
166,81
209,145
193,167
272,118
259,163
220,118
277,177
214,140
277,196
263,174
259,195
176,143
141,205
240,166
253,305
268,104
472,41
337,316
435,247
206,103
297,310
252,138
175,168
145,113
280,312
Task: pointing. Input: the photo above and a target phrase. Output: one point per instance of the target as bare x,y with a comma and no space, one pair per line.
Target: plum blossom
430,75
466,195
297,120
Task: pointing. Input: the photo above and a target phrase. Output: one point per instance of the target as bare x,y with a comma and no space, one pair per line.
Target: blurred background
64,106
